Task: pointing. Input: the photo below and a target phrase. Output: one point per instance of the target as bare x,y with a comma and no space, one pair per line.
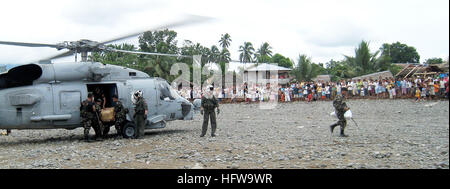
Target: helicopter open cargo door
105,89
67,98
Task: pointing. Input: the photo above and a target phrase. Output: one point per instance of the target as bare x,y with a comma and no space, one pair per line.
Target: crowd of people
418,88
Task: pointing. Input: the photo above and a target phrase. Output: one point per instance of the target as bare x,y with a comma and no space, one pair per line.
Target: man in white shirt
287,98
409,87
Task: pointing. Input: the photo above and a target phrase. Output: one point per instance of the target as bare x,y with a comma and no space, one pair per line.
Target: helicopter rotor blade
146,53
188,20
60,55
27,44
191,19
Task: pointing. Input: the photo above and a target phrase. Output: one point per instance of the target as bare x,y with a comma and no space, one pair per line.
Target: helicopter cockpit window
167,92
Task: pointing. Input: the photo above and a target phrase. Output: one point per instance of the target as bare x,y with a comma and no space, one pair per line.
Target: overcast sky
322,29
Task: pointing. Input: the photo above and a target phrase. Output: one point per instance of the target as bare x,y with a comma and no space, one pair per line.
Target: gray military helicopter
47,96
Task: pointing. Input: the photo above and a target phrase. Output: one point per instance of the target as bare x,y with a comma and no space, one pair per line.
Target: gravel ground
391,134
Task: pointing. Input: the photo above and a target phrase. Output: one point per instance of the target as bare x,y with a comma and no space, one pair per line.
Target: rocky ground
391,134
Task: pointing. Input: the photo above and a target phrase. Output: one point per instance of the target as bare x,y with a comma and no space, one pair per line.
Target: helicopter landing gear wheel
129,130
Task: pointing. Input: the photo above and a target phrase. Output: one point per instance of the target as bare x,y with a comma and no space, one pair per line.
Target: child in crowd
310,96
323,95
424,93
417,94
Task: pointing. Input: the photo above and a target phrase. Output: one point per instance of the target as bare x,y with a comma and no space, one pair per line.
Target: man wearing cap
140,113
209,103
340,108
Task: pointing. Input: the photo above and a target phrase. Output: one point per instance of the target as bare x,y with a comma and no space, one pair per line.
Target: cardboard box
108,115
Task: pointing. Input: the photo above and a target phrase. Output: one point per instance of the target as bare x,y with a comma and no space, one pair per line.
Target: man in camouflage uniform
340,108
87,110
140,114
120,114
209,103
99,94
98,125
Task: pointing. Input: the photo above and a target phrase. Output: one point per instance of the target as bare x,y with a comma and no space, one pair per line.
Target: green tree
434,61
364,61
343,71
304,70
247,52
119,58
191,49
400,53
163,41
339,70
383,63
317,69
331,64
264,53
394,69
282,61
225,41
214,54
224,56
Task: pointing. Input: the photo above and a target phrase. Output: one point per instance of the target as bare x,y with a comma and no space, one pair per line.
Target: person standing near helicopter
87,111
98,124
120,114
209,103
140,113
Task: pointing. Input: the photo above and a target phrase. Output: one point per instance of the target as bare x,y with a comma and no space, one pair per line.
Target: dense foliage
362,62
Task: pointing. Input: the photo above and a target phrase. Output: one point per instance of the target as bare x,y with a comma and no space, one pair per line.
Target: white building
262,72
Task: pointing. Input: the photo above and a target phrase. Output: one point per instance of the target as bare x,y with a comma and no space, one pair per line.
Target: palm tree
264,53
224,56
304,67
247,51
304,70
225,41
214,54
265,50
364,61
